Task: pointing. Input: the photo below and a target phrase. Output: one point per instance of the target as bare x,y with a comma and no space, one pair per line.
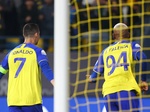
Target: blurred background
15,13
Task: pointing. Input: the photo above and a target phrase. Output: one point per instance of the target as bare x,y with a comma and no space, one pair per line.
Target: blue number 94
115,64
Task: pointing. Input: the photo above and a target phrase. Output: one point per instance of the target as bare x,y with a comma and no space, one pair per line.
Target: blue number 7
20,66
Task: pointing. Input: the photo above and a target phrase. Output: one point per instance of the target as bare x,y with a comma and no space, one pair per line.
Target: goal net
91,24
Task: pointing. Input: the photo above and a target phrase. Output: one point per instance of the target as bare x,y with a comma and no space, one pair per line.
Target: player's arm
4,67
44,65
98,69
92,77
139,55
2,71
47,71
143,84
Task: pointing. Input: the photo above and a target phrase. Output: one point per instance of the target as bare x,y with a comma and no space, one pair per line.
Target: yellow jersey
24,82
117,64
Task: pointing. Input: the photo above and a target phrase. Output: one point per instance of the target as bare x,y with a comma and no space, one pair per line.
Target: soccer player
25,63
116,62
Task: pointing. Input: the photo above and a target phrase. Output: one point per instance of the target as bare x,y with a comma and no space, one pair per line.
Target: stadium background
13,14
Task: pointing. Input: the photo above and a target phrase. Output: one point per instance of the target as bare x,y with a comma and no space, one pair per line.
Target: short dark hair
30,29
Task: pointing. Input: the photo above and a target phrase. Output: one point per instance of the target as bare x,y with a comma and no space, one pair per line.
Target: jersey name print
22,52
117,48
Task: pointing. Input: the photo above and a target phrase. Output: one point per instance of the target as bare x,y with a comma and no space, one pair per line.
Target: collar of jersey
122,41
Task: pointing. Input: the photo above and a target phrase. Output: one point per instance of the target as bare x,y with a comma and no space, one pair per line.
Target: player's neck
29,40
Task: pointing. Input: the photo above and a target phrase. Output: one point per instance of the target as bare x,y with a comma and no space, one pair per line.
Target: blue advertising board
76,105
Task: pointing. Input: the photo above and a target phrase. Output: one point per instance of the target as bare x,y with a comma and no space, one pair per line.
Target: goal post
61,55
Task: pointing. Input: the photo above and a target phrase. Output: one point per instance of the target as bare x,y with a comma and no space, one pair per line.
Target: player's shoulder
135,45
104,50
34,47
38,50
111,45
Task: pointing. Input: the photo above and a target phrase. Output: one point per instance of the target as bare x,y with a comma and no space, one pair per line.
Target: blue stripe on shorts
33,108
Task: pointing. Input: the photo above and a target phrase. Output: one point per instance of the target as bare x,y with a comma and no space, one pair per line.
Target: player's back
118,68
24,86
